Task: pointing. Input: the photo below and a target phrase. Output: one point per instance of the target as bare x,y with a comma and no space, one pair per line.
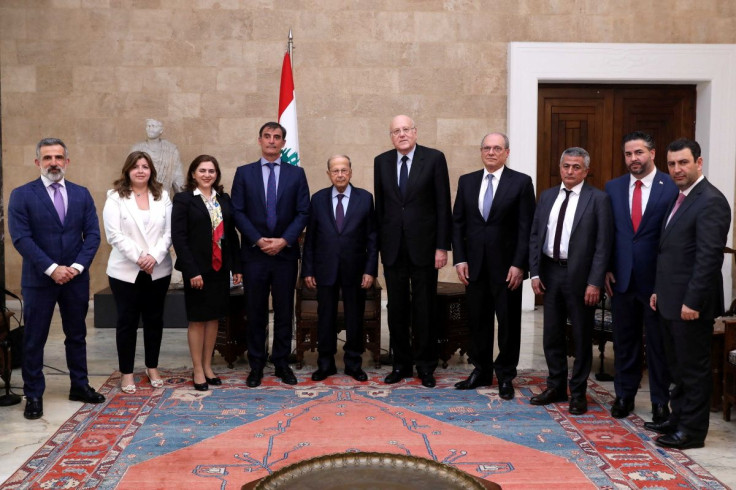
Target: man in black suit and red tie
271,207
414,221
340,255
688,293
569,249
492,219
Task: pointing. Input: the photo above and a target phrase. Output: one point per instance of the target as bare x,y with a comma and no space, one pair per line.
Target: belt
560,262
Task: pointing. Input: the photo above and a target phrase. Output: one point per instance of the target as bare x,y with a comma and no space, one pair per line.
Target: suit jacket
41,238
350,253
691,254
504,238
635,254
191,234
130,238
423,218
591,237
249,204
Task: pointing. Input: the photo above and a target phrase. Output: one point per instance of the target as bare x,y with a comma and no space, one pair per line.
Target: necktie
558,230
680,198
271,198
403,176
339,213
636,206
488,198
59,201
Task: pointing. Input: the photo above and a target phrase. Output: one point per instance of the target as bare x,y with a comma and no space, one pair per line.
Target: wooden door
596,117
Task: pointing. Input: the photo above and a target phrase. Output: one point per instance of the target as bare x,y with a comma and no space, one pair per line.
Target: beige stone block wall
91,71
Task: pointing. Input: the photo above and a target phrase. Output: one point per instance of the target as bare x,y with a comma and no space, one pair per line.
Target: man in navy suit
414,223
569,249
688,293
53,225
639,201
492,218
340,254
271,203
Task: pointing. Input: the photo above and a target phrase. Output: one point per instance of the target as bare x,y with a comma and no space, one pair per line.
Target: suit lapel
132,208
417,169
583,200
45,200
257,177
504,185
655,195
692,196
545,206
623,202
474,191
327,208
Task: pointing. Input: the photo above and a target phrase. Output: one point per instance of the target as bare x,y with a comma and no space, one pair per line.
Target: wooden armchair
729,367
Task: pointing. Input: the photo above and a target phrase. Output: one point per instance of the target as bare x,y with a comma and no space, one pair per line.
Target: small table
231,332
354,471
452,320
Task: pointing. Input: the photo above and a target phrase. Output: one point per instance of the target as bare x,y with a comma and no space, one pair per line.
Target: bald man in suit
569,249
688,293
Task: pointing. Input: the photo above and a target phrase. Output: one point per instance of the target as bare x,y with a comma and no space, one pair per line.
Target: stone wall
91,71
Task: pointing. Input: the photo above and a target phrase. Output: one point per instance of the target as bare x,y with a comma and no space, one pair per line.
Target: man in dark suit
492,218
414,223
340,254
569,249
639,201
688,293
53,224
271,203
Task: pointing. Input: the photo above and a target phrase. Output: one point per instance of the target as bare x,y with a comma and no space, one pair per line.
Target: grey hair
51,142
329,160
576,151
505,139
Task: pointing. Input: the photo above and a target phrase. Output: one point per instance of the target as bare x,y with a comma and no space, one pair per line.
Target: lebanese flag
287,114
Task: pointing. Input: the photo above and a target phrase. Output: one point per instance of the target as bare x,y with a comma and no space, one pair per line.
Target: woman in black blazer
207,250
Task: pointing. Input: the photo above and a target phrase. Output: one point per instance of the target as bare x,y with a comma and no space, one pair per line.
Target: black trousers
411,292
487,301
144,300
688,344
353,301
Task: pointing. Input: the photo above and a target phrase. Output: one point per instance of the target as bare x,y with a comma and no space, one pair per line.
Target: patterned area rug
228,436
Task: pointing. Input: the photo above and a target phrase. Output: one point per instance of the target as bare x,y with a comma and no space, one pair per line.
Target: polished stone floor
20,438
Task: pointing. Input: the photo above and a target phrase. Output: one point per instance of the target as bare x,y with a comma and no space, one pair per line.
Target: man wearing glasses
492,217
413,218
569,248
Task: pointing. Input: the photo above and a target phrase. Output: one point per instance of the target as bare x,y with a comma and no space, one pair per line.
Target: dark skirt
210,302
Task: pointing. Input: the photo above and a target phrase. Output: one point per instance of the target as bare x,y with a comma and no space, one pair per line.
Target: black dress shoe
506,390
322,374
254,378
477,378
679,440
427,379
85,394
213,381
357,374
550,395
621,408
660,412
34,408
662,427
200,386
578,405
286,375
397,375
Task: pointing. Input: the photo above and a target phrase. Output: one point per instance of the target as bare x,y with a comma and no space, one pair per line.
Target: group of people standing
656,254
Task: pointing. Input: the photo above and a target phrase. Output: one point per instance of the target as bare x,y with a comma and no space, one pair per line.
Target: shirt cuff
79,267
51,269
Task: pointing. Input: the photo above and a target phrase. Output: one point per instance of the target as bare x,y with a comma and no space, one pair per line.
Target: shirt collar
646,181
410,155
346,193
47,182
264,161
687,191
197,192
575,190
496,174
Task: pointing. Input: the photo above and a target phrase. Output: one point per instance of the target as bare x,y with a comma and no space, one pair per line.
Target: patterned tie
59,201
488,198
558,230
403,176
271,198
680,198
636,206
339,213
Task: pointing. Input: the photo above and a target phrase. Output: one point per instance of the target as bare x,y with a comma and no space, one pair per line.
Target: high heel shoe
200,386
156,383
213,381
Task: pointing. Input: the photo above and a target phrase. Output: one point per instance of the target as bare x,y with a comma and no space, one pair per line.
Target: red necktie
636,206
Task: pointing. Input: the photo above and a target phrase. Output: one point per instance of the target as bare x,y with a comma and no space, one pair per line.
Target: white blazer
130,239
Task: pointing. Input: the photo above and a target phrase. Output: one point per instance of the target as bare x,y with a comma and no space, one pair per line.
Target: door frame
709,66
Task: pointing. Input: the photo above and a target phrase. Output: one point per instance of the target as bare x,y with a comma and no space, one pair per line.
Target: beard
53,173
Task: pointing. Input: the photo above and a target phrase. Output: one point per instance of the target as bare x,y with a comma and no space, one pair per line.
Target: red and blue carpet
175,437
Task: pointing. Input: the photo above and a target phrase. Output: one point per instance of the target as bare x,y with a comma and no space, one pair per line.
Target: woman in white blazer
137,218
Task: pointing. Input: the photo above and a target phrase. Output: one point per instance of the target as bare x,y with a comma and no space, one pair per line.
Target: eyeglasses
338,171
492,149
398,131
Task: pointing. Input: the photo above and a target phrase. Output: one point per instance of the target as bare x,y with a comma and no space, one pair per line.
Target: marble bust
165,156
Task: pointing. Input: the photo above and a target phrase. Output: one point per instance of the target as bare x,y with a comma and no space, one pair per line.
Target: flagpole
290,45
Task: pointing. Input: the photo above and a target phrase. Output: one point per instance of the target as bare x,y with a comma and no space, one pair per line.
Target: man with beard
53,225
639,202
